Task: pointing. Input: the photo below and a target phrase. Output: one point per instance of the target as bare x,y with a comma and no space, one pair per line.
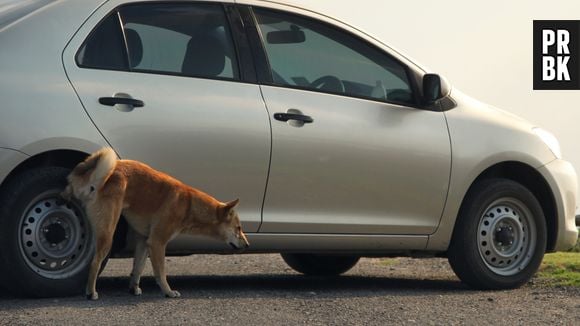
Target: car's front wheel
500,236
320,265
45,243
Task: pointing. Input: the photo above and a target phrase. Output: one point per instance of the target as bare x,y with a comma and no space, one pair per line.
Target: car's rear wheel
500,236
45,243
320,265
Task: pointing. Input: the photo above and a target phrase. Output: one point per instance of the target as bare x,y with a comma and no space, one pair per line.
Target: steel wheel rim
506,236
54,236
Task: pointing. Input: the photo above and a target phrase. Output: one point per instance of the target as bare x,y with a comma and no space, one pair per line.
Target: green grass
576,247
557,269
562,268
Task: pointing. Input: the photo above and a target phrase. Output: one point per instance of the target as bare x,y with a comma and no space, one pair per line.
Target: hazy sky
484,48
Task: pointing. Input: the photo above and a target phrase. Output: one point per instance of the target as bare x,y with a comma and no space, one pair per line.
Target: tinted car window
182,39
105,47
307,54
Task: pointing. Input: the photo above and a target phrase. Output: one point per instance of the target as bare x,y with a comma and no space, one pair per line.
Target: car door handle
293,116
112,101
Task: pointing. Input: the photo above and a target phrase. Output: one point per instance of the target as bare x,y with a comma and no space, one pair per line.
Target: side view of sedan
338,146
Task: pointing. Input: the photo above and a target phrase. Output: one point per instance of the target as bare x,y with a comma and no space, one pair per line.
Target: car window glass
307,54
104,48
182,39
192,40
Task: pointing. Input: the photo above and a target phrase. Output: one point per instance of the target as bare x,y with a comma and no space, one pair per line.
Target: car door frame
264,72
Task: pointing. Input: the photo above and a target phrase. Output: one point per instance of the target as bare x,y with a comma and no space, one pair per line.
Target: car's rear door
351,152
164,84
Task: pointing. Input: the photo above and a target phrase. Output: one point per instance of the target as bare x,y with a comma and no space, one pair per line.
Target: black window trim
245,72
261,62
245,59
264,64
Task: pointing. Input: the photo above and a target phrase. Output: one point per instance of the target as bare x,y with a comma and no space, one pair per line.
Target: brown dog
157,206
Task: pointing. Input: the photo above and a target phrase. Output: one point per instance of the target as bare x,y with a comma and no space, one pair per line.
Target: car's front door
351,153
186,110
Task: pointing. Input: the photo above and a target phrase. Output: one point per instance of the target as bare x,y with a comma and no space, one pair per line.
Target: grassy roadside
562,268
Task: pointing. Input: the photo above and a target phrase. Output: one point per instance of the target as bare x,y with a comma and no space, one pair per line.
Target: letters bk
556,62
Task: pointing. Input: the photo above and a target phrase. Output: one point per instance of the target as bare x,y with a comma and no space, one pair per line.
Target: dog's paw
173,294
93,296
135,291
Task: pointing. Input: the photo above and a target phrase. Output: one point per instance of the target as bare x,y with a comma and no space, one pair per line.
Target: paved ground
261,290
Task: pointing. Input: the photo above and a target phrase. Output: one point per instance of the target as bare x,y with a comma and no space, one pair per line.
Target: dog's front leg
138,264
157,256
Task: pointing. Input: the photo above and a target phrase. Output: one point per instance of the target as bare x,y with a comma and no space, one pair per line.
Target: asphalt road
262,290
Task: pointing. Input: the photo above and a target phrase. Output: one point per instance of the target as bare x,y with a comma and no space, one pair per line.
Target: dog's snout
240,245
245,241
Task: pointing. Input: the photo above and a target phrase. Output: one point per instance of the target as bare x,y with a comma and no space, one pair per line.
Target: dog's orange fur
156,206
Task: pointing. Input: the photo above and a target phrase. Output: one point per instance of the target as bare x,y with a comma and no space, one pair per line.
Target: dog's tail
100,165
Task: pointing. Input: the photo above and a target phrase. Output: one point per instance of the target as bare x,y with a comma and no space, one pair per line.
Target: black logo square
556,54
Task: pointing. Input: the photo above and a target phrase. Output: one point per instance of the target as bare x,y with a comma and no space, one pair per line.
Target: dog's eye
92,188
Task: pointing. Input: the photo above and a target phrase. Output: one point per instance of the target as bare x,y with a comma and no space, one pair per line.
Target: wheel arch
61,158
66,158
531,179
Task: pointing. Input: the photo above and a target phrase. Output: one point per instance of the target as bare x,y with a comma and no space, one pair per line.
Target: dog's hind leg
157,246
104,221
138,264
104,242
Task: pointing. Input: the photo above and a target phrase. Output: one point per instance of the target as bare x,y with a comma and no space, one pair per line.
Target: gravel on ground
262,290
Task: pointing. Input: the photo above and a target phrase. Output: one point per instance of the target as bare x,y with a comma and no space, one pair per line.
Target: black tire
320,265
499,238
45,243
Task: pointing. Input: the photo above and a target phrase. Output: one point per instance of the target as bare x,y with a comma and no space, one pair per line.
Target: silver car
338,146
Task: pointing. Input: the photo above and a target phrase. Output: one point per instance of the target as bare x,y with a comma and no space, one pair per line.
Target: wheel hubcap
506,236
55,238
55,233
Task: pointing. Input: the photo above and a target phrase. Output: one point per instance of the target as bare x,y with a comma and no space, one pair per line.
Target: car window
104,48
311,55
182,39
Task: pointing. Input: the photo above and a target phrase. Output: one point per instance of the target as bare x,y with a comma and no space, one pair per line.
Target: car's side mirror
431,88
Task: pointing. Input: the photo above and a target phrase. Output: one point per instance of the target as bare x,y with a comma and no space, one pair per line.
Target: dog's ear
225,209
232,204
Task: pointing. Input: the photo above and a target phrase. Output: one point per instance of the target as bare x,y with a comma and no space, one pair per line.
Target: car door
163,84
351,152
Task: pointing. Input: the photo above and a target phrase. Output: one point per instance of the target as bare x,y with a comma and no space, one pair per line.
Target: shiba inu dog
157,207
